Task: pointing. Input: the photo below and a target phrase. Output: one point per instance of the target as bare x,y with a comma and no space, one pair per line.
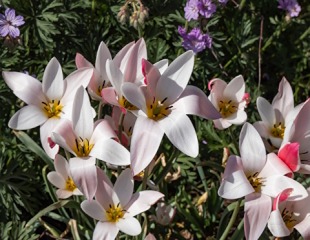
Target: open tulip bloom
276,116
229,100
163,104
287,215
258,178
115,206
88,141
48,102
62,178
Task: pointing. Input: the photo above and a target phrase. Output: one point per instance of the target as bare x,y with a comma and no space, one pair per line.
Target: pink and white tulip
163,104
230,100
48,102
289,215
115,206
62,179
256,177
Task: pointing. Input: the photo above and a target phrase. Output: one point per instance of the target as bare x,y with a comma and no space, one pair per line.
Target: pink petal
123,186
109,95
102,131
84,175
277,226
284,100
174,80
252,149
25,87
194,101
82,118
105,230
234,184
63,194
130,226
282,196
110,151
289,154
28,117
257,208
45,134
151,76
93,209
52,83
141,202
180,131
274,166
145,141
115,76
135,95
235,89
81,61
62,166
73,81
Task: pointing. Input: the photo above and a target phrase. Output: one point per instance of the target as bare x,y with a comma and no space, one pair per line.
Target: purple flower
291,6
191,10
206,8
223,2
195,40
9,23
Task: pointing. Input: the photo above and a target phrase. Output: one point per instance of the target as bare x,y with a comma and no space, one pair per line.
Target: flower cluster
196,8
290,6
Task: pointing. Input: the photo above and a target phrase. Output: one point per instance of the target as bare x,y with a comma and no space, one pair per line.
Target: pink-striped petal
28,117
62,166
110,96
115,75
46,133
274,166
84,175
81,61
289,154
174,80
257,208
123,187
52,83
145,141
235,89
93,209
103,54
105,189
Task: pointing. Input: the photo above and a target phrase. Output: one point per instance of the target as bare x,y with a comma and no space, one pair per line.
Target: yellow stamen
256,182
287,216
157,110
70,186
278,130
126,104
83,147
115,213
52,108
227,108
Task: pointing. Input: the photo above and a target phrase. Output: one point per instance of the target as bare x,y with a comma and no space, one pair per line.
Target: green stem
232,220
100,110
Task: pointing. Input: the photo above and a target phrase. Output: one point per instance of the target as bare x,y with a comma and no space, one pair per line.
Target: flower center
278,130
115,213
256,182
70,186
157,110
83,147
99,89
227,108
287,216
52,108
126,104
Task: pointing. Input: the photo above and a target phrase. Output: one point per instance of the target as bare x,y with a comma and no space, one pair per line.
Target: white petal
141,202
105,231
234,184
62,166
135,95
56,179
180,131
93,209
266,112
174,80
82,118
110,151
46,133
25,87
274,166
81,61
276,225
105,189
115,75
257,208
63,194
52,83
235,89
102,131
252,149
194,101
130,226
28,117
123,186
103,54
145,141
